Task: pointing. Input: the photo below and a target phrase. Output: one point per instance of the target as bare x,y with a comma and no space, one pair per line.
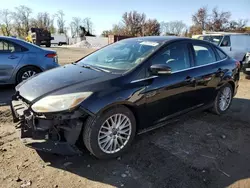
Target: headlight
57,103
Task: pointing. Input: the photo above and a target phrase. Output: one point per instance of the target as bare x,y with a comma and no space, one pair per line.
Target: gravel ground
201,150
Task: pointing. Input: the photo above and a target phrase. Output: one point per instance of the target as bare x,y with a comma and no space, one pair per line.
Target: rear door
10,56
207,71
168,95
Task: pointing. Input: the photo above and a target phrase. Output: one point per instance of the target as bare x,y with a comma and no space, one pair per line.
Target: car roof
9,38
14,39
166,39
160,39
22,43
225,34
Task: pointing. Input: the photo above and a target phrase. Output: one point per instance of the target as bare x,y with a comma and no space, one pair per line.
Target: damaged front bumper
52,132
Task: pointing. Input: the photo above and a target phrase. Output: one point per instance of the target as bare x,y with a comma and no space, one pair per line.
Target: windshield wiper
95,68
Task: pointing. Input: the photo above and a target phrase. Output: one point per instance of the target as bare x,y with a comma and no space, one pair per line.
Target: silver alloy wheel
225,98
114,133
28,74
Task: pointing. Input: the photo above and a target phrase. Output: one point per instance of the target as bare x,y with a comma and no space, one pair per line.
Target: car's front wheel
109,134
223,99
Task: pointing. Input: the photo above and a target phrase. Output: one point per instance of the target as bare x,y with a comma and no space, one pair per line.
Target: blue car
20,60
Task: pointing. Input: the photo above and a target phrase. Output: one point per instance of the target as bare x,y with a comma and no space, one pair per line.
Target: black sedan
124,89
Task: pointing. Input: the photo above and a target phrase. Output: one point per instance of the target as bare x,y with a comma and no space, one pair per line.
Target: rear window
221,54
216,39
9,47
203,54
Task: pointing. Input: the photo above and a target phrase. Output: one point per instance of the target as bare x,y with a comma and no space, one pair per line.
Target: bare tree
118,29
238,26
219,21
21,19
195,30
75,26
173,28
151,28
133,22
106,33
60,21
88,24
5,21
200,18
43,20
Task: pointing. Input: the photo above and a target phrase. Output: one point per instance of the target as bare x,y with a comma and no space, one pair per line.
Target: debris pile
91,42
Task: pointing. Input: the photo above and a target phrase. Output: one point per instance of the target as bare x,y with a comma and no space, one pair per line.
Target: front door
10,55
167,95
226,46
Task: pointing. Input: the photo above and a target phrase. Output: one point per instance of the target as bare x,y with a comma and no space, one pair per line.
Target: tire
217,108
92,134
48,45
28,69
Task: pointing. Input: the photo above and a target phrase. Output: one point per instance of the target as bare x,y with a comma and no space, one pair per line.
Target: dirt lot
202,150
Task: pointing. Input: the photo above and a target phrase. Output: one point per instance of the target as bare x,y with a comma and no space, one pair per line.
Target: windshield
214,39
120,56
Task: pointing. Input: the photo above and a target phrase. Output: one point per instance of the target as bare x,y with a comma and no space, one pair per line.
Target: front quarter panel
109,95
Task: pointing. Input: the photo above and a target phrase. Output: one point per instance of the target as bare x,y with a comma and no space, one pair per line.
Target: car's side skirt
171,118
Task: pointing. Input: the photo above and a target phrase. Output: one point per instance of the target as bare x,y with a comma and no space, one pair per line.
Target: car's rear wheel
223,99
48,44
109,134
26,72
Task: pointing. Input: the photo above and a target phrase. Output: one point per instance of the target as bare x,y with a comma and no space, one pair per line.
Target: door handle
12,57
189,79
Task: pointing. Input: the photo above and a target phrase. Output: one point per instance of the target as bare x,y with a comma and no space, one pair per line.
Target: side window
176,56
8,47
221,54
226,41
204,54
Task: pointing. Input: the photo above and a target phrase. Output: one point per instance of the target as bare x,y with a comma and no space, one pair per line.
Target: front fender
99,102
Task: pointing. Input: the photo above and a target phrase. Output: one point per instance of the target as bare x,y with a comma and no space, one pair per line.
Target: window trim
205,44
223,39
202,65
216,49
191,68
187,43
23,49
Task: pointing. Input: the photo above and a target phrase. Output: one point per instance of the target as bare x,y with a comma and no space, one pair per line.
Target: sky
104,14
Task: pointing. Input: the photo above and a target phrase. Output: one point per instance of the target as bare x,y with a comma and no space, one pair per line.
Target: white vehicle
235,45
59,39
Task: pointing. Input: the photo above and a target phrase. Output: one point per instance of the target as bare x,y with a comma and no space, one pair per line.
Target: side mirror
158,69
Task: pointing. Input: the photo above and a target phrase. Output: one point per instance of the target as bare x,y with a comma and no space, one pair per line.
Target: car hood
60,78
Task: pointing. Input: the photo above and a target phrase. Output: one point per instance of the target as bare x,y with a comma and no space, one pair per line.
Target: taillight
51,55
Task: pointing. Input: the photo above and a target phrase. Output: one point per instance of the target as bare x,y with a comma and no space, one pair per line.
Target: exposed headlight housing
57,103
